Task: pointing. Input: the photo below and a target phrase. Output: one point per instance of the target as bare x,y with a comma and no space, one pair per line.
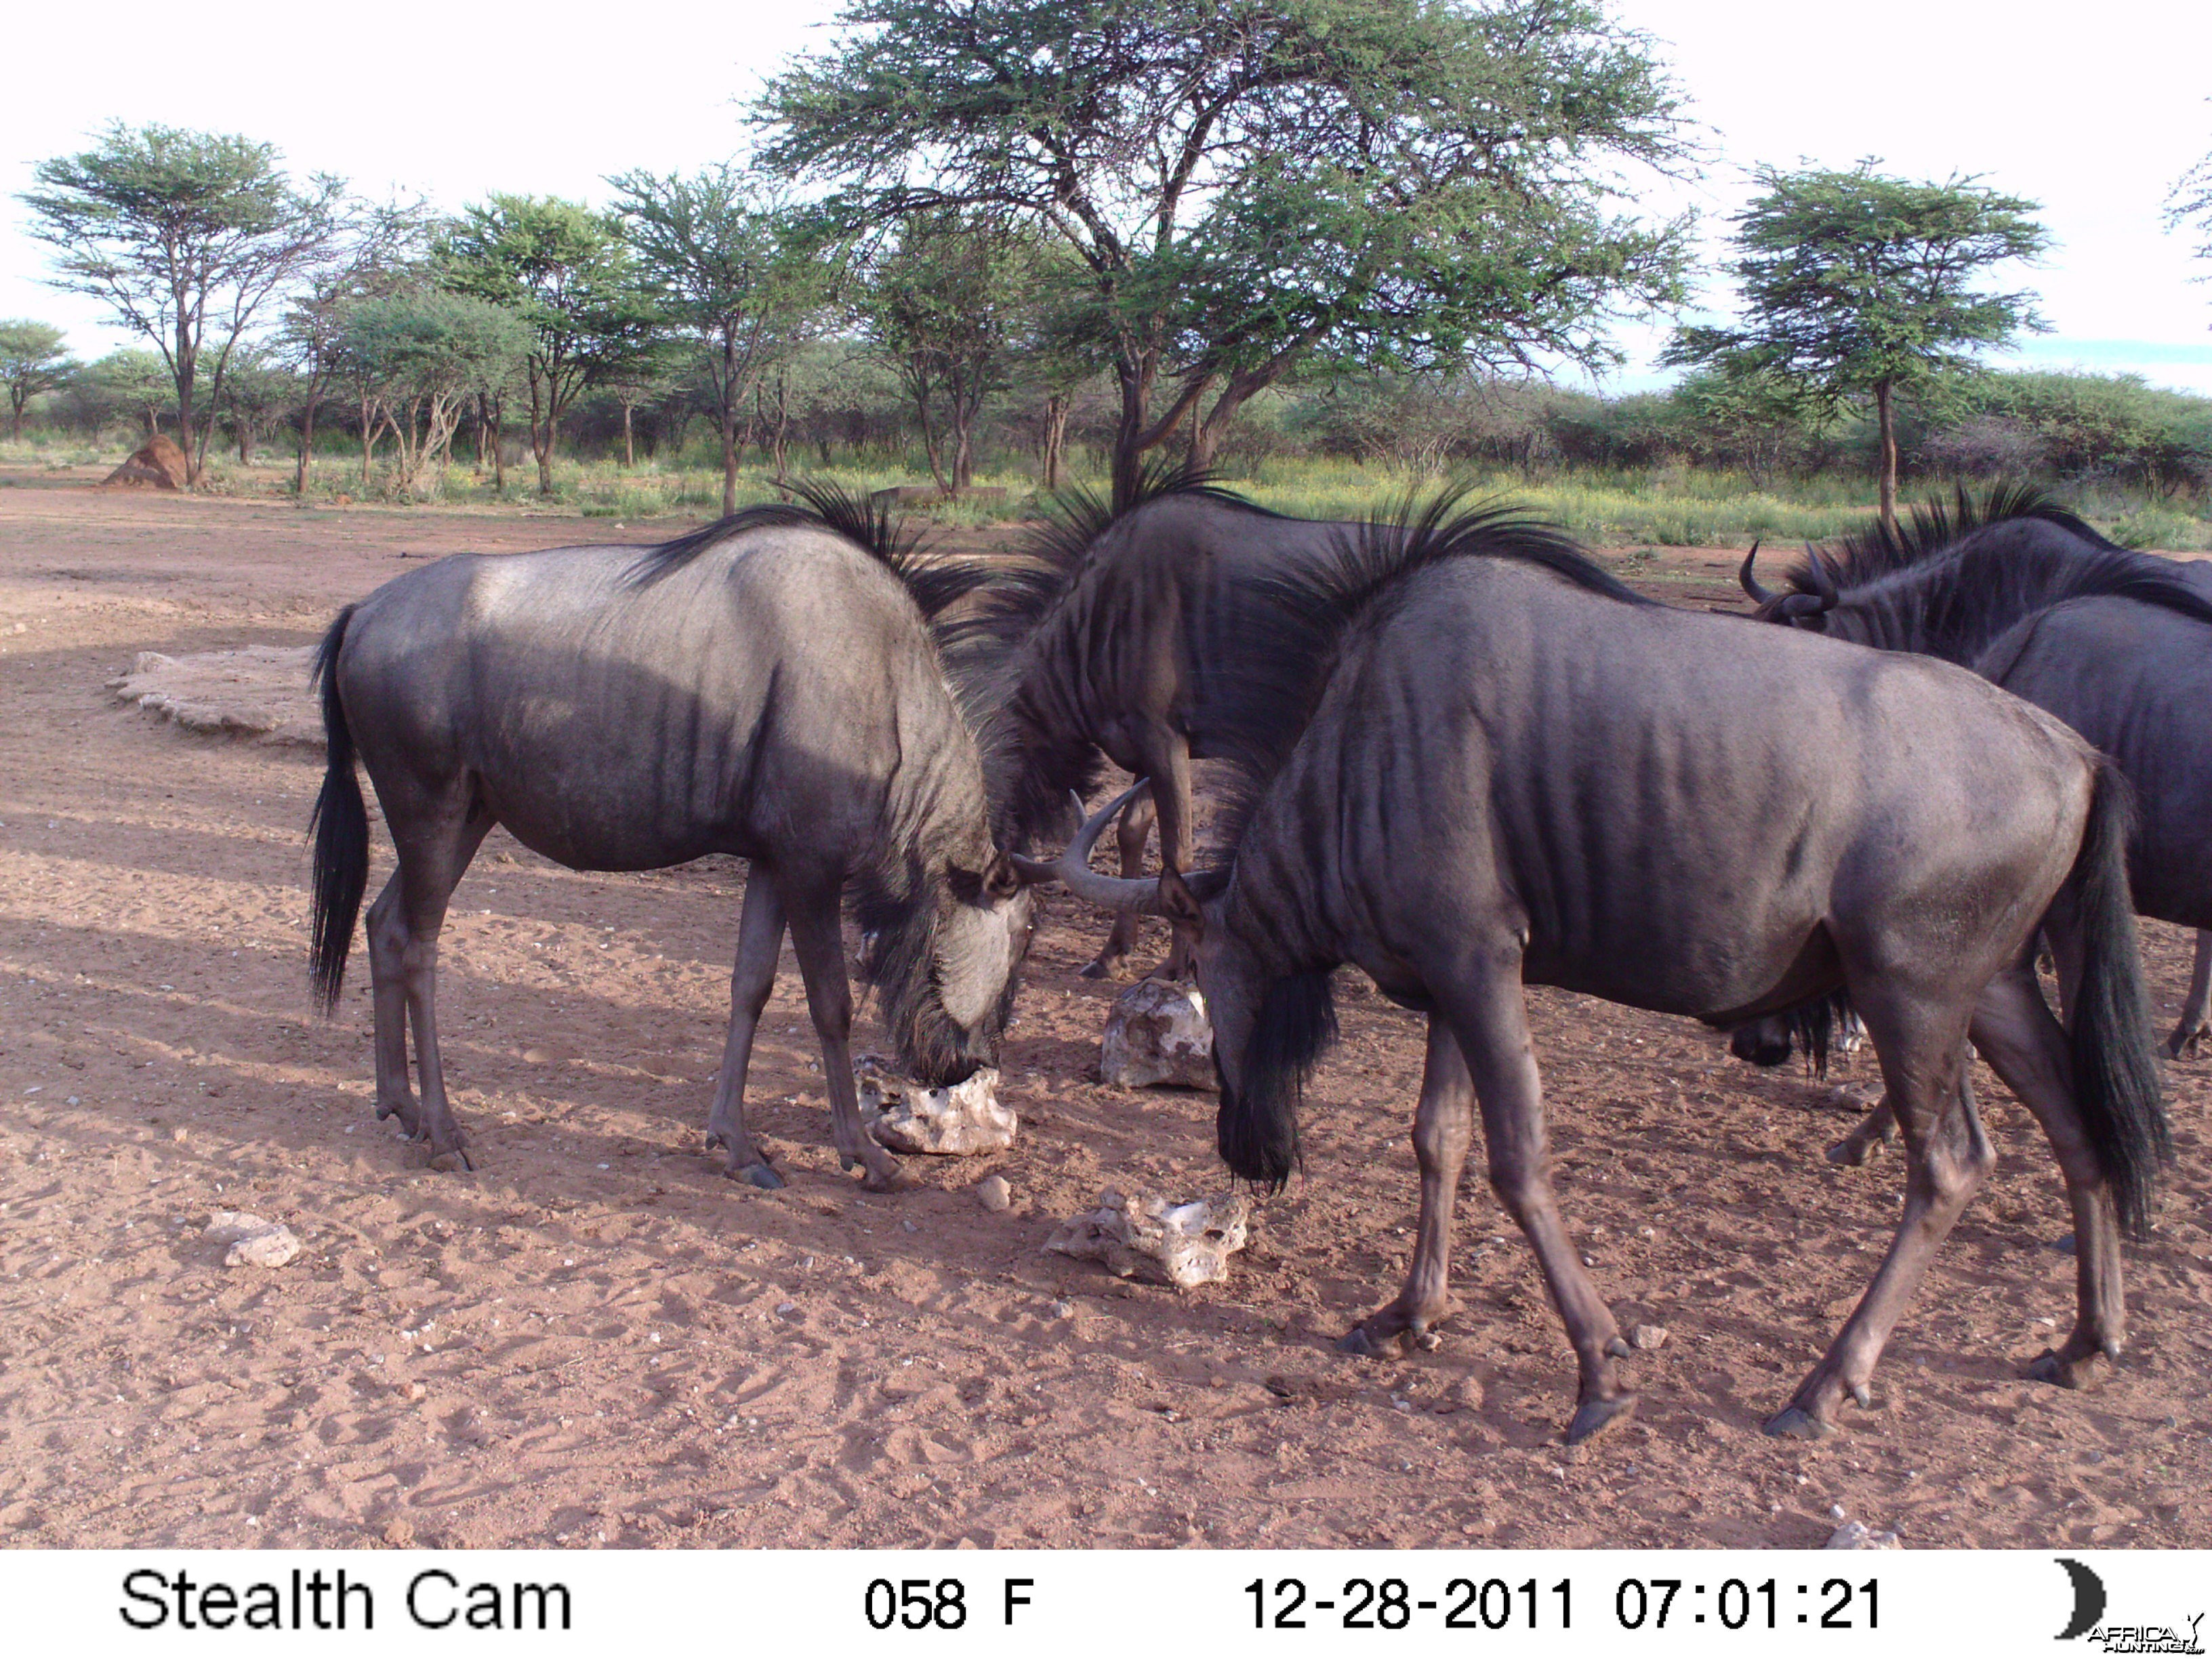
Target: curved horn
1073,867
1751,584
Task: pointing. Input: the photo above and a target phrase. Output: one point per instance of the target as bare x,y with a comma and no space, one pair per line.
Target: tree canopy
1254,181
1856,284
33,360
186,236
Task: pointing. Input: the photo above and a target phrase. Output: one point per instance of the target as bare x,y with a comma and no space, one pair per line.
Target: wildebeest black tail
339,825
1257,1126
2117,1086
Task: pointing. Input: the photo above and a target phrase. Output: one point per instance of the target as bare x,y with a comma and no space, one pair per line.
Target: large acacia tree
186,236
1855,285
1250,183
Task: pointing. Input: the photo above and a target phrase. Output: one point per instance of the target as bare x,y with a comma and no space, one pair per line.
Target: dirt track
597,1338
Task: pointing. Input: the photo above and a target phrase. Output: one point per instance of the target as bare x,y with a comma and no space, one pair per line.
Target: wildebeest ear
1177,902
967,886
1001,880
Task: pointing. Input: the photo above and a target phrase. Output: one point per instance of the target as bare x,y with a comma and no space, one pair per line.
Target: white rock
1149,1238
253,1243
1857,1535
1157,1033
257,690
992,1193
1648,1337
957,1122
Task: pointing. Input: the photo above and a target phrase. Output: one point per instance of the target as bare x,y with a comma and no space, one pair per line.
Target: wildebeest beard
899,921
1257,1129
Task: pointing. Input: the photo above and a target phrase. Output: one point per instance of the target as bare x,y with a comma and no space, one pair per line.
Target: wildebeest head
946,960
1268,1029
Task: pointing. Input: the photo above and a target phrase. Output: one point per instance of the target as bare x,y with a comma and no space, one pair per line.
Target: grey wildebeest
2117,644
1515,770
1115,638
767,687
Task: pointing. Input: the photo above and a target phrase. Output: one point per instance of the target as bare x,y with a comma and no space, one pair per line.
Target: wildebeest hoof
1357,1341
1594,1416
1795,1423
1863,1396
1618,1348
890,1179
453,1159
1099,968
1851,1153
1428,1341
759,1175
2064,1370
2186,1044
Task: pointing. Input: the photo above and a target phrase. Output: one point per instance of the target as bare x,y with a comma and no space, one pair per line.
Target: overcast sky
2092,110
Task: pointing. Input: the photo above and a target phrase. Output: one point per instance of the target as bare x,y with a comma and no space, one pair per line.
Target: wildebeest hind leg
387,946
760,939
1923,1053
2025,1046
1444,1130
431,859
2195,1020
1488,1014
821,951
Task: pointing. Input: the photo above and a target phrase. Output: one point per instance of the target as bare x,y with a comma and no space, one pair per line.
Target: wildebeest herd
1457,754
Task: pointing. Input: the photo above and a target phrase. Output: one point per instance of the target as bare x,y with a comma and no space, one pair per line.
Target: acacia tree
566,271
131,378
420,356
947,302
735,265
33,360
1252,182
1855,285
186,236
379,249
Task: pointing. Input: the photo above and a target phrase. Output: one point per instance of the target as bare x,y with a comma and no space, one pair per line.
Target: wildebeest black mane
937,583
1959,574
1045,563
1304,615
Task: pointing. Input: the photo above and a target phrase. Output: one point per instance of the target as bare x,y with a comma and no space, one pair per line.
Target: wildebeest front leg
760,939
1444,1130
1130,835
2195,1021
1924,1068
2026,1046
821,951
1489,1016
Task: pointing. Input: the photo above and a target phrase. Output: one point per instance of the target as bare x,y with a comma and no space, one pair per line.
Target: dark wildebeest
2117,644
768,687
1115,639
1515,770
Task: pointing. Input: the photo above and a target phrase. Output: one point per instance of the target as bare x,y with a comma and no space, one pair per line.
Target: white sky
2093,110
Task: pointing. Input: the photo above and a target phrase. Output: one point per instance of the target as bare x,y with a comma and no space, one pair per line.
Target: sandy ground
598,1340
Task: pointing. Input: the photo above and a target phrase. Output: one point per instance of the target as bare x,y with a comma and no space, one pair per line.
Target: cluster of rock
963,1121
253,1243
1157,1033
1148,1238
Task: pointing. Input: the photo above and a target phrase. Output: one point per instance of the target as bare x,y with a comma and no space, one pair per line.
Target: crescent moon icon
2088,1599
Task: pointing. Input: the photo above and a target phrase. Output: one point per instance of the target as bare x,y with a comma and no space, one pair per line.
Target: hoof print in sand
962,1121
253,1243
1157,1033
1149,1238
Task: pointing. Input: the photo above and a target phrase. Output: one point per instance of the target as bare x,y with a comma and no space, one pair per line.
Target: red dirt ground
599,1340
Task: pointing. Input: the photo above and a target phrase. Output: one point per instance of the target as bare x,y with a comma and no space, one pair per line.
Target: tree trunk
368,440
15,416
307,443
1888,424
245,441
629,443
1055,436
726,419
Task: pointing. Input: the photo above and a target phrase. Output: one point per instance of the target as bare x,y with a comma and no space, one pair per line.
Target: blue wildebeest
1515,770
1114,639
767,687
2117,644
